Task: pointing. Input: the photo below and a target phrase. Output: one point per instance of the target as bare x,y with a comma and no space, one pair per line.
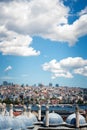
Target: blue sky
43,42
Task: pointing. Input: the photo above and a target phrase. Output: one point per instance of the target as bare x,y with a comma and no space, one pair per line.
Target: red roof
17,113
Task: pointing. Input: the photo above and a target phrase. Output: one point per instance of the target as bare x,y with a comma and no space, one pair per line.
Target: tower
47,116
29,111
11,110
4,109
77,117
39,112
24,111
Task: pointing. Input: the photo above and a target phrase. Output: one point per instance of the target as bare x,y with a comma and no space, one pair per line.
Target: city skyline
43,42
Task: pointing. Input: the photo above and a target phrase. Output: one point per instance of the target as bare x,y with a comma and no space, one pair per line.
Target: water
59,107
56,107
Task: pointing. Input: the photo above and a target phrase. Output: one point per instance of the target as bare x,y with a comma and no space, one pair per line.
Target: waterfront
45,117
61,107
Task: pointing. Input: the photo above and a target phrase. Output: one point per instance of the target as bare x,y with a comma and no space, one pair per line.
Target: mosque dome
5,122
17,124
33,118
27,121
54,119
72,119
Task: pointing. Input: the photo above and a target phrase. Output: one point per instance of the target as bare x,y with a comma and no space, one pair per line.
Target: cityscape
41,94
43,64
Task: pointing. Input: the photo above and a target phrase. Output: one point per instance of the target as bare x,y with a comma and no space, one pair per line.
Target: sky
43,41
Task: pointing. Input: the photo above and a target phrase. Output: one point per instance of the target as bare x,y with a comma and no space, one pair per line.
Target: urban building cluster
25,94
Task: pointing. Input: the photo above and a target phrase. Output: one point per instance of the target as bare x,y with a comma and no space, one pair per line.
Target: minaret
77,117
29,111
39,112
3,109
11,110
47,116
86,115
24,111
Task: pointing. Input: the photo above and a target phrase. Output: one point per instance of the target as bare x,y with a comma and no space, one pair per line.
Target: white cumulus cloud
17,44
66,67
20,20
81,71
8,68
84,11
